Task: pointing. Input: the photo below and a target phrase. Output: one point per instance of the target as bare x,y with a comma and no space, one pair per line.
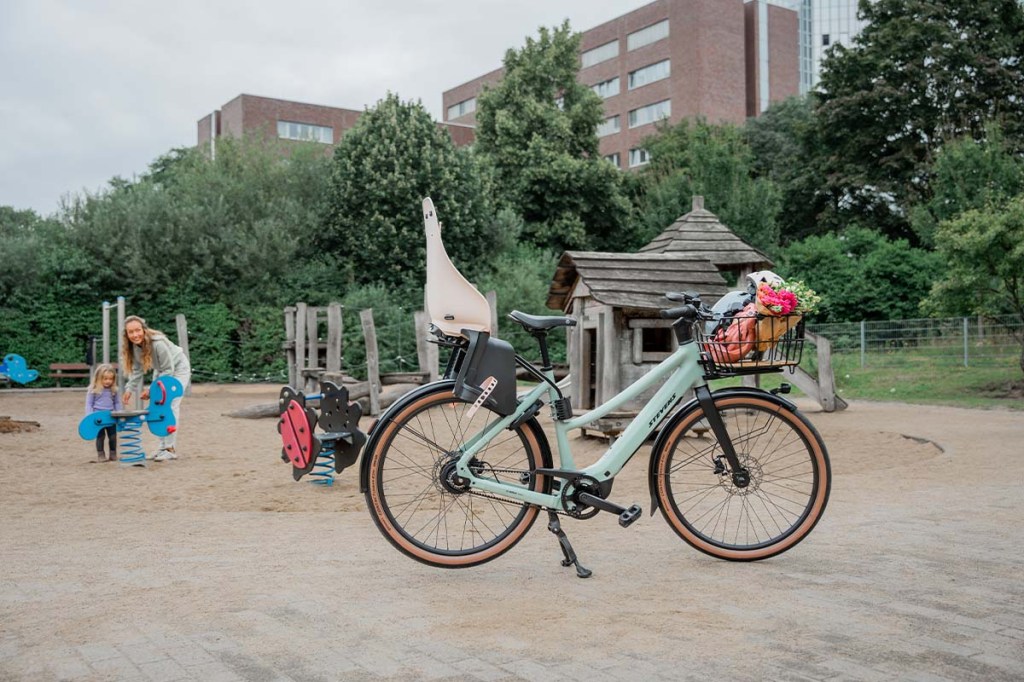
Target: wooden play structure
700,234
314,349
616,298
619,336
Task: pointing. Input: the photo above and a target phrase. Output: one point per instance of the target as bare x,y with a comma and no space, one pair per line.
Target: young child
102,395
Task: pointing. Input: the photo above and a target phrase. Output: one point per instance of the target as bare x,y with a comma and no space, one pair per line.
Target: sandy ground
220,566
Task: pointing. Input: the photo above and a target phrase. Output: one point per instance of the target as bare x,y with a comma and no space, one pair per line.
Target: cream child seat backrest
452,303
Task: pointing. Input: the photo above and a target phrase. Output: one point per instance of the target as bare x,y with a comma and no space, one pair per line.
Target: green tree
232,229
968,174
984,254
785,144
862,275
521,278
382,169
920,74
716,162
25,238
537,129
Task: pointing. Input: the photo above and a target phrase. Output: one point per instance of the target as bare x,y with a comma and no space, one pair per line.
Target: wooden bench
70,370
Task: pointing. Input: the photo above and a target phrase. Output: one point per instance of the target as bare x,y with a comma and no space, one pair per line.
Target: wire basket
750,344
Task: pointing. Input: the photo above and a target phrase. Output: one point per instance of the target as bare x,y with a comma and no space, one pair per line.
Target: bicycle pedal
627,517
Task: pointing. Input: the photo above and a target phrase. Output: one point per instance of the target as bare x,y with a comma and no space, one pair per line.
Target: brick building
723,60
278,118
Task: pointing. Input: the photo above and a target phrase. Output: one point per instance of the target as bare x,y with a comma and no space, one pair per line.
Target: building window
649,74
609,126
289,130
824,39
614,159
638,157
606,89
650,113
600,54
646,36
464,107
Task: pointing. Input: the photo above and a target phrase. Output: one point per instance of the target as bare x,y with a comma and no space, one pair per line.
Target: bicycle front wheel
424,508
790,478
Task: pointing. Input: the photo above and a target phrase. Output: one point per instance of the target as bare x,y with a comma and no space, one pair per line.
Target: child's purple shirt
104,400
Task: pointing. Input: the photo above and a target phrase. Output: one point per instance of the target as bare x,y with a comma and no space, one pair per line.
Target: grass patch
918,378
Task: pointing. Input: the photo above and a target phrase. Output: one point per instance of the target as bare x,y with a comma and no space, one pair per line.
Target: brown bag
771,329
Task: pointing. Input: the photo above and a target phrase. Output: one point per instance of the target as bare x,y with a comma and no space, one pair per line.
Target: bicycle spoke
429,512
773,503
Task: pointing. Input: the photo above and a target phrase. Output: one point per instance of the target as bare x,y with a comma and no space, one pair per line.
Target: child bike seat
452,303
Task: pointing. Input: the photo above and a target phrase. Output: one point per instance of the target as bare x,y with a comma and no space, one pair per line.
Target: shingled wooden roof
634,280
699,234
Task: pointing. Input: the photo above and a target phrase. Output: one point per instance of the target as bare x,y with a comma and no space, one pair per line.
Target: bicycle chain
491,496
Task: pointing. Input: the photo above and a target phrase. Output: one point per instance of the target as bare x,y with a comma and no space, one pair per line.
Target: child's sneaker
165,455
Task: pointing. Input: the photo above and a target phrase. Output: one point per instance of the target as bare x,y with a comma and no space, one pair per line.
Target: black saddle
539,323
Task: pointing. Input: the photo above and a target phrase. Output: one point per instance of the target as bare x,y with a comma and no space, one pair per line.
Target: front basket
751,344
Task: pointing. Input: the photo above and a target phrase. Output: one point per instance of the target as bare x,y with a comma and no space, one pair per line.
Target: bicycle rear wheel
790,479
429,513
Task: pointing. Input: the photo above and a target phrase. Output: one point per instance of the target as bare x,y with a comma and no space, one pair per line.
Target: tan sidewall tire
821,491
399,540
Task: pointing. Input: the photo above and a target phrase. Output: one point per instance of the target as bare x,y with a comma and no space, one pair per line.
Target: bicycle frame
680,371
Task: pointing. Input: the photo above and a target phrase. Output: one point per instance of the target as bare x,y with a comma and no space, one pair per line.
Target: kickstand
570,556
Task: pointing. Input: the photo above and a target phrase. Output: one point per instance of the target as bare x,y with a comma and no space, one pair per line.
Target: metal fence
971,341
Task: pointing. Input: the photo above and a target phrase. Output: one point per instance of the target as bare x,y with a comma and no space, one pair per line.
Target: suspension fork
740,475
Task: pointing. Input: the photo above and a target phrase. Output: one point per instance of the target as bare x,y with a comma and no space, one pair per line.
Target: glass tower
823,23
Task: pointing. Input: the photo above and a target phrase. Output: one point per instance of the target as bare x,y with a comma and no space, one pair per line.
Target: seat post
542,339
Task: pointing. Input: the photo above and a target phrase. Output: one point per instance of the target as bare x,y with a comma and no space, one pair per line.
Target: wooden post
420,321
372,360
300,344
289,343
609,334
826,377
182,326
334,330
492,303
313,337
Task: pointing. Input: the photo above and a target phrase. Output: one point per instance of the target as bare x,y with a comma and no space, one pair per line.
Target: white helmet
756,279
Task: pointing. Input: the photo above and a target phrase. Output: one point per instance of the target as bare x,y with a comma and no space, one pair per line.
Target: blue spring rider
16,369
129,422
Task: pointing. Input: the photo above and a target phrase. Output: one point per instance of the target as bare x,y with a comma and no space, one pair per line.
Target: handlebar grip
682,311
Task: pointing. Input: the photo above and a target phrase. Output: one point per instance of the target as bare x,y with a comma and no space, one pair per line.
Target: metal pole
106,333
862,349
122,372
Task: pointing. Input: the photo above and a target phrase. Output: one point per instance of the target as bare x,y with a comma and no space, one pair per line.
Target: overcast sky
92,89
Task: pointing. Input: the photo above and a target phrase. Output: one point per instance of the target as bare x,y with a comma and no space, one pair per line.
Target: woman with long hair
147,350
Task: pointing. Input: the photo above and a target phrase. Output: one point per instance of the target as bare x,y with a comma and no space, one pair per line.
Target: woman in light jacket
147,349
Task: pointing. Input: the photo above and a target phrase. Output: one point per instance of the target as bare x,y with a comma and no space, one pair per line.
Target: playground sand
220,566
233,465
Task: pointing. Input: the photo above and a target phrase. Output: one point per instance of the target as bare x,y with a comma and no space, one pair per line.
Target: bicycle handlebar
691,312
687,311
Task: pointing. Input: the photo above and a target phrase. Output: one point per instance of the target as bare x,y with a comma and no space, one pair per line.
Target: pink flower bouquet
782,306
775,301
